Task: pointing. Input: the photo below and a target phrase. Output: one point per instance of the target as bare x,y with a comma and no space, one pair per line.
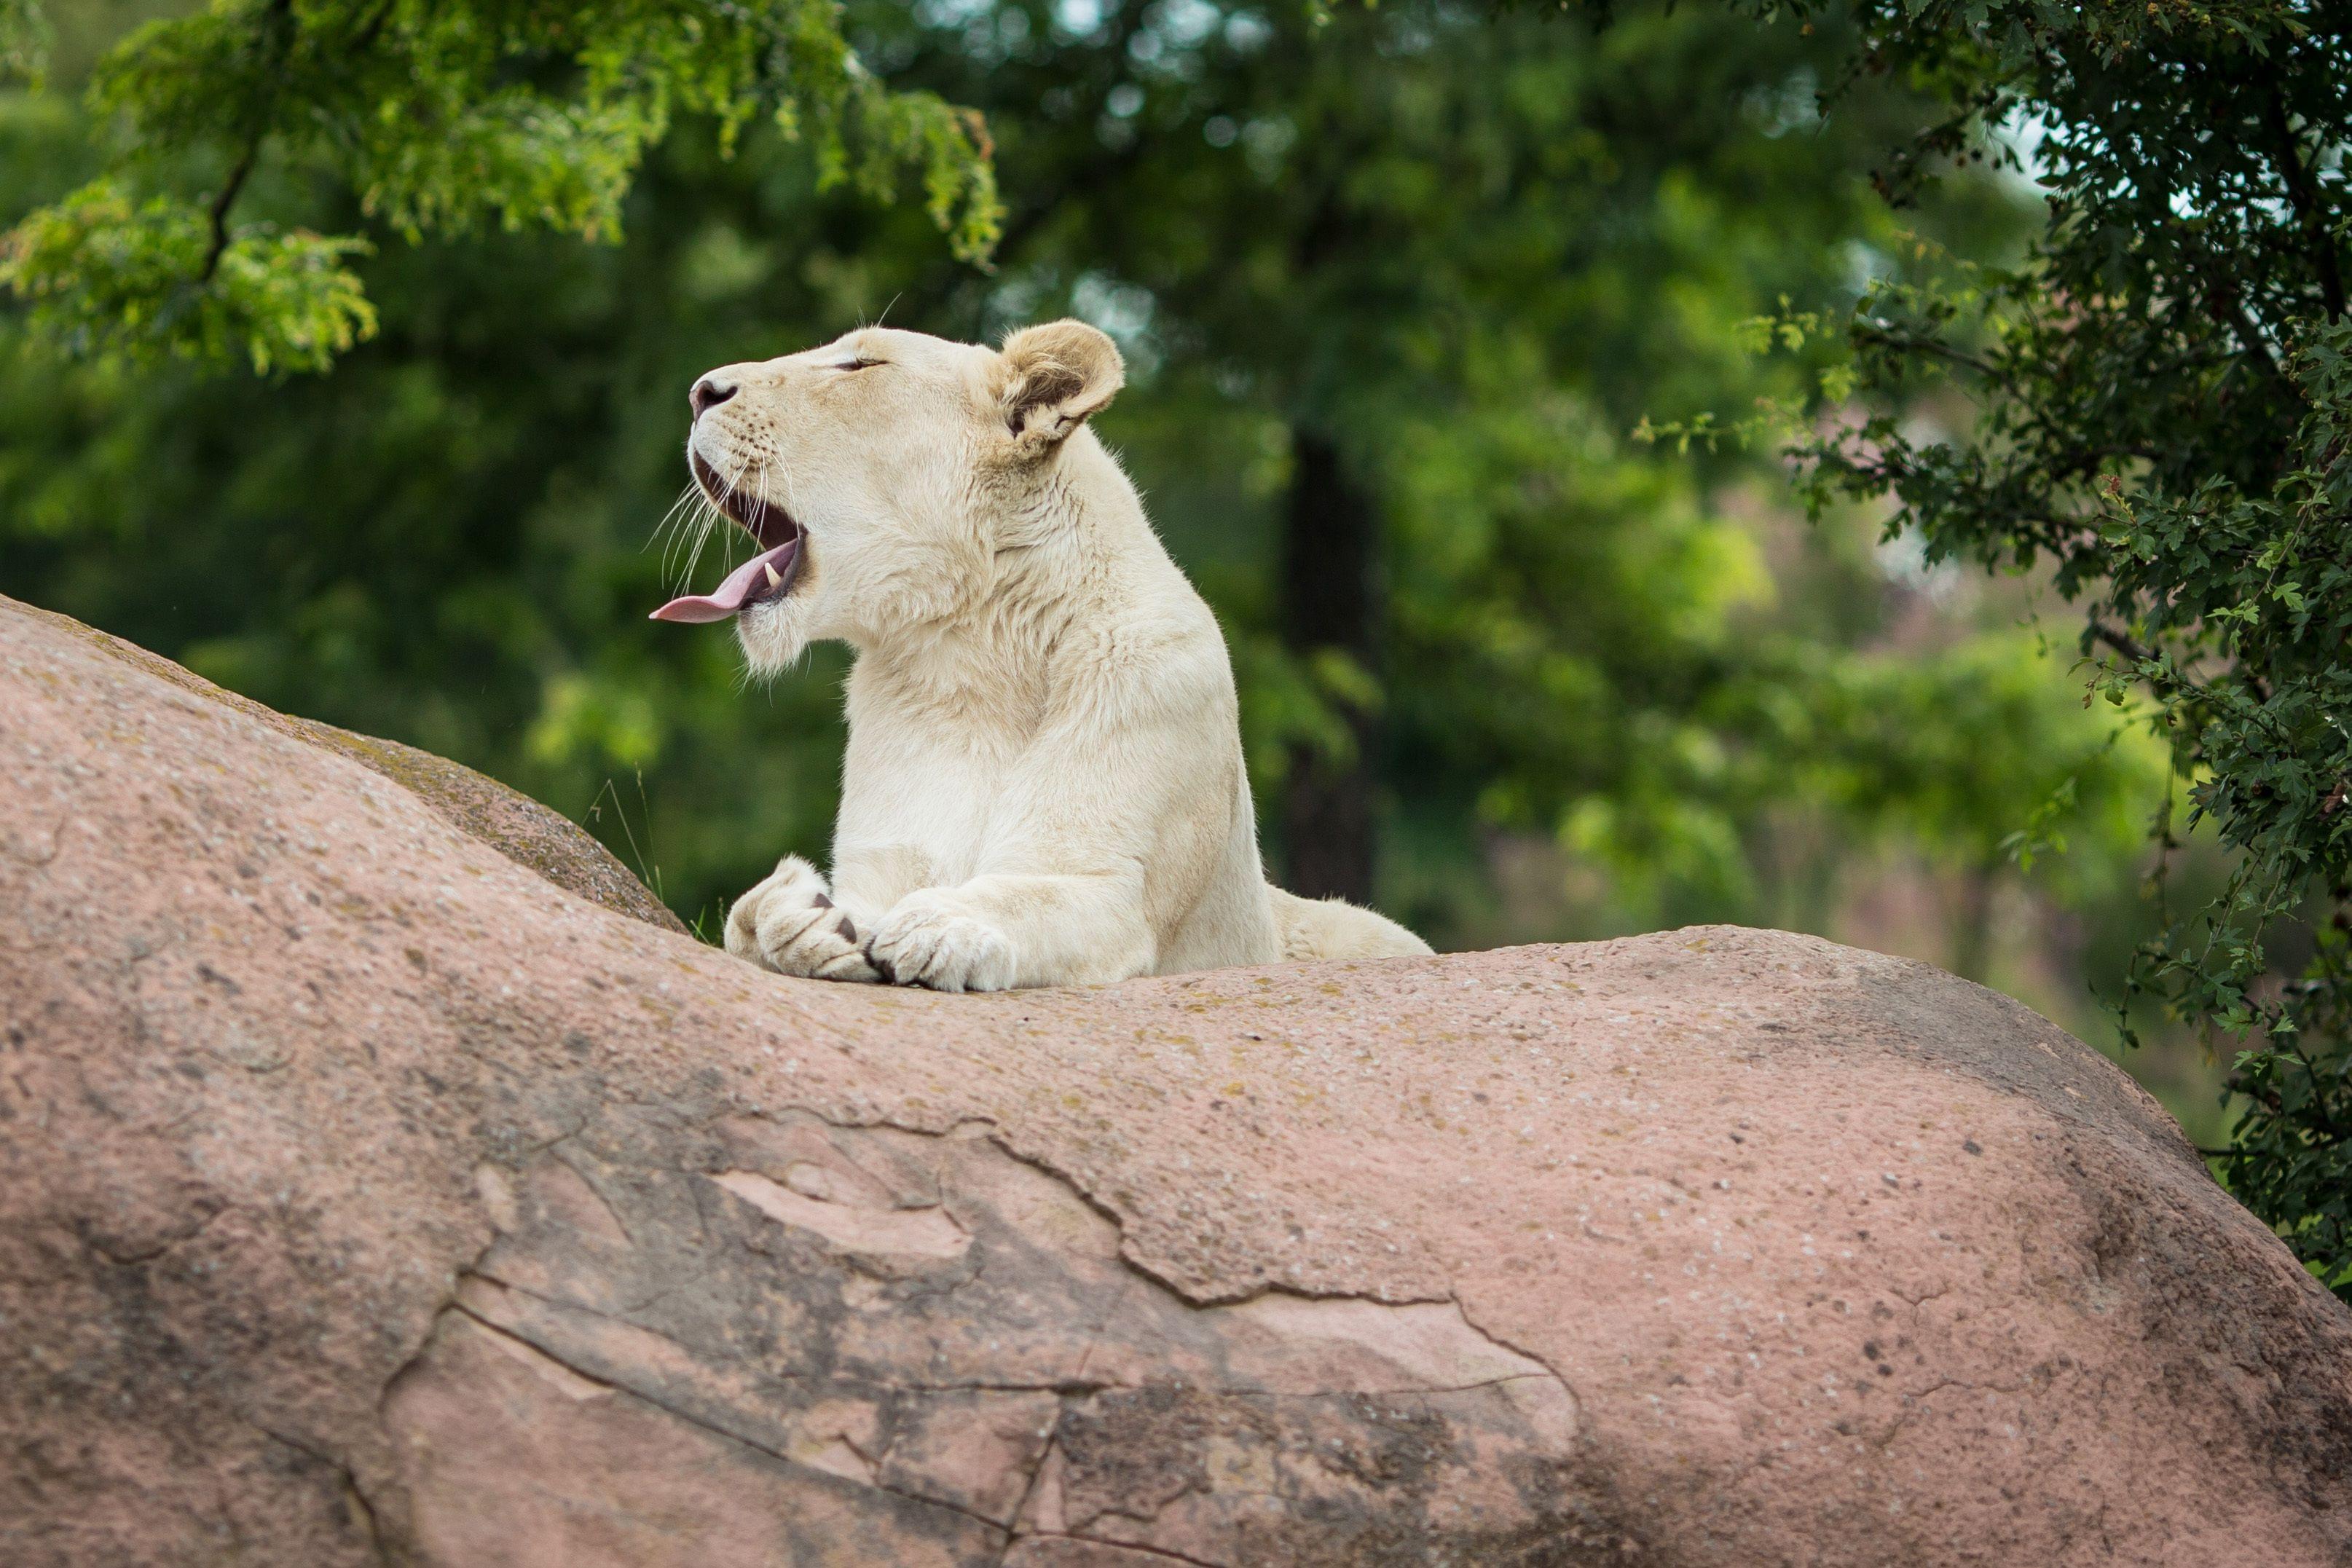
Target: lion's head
878,474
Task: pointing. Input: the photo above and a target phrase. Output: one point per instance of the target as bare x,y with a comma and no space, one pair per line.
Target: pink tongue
743,584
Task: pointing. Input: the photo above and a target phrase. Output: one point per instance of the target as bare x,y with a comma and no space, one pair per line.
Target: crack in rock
1060,1396
356,1498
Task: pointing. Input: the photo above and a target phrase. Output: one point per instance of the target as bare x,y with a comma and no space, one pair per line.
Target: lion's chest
922,803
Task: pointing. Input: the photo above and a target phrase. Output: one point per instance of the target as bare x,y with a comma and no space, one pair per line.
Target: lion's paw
925,941
788,924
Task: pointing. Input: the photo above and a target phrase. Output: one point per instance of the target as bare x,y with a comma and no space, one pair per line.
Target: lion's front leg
997,933
927,940
788,923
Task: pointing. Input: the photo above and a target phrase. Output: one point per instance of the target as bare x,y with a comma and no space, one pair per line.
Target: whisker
678,558
791,501
734,487
670,530
706,517
697,515
715,518
685,492
760,470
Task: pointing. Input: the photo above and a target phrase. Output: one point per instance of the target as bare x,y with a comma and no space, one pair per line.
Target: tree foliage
440,116
2163,422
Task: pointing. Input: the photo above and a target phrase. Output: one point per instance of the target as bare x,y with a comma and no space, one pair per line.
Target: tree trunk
1331,599
1972,933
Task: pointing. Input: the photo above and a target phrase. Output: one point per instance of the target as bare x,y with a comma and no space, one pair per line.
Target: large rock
514,824
365,1196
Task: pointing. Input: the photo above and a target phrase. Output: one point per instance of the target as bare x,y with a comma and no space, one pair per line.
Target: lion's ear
1055,376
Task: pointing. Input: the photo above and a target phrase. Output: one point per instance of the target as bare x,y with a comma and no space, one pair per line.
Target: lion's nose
707,393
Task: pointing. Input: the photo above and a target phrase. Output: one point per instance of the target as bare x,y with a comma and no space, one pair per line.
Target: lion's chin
774,635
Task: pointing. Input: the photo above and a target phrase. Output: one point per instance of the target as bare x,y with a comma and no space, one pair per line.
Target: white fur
1044,782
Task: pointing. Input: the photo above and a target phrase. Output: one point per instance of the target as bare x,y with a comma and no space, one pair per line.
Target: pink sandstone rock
514,824
365,1196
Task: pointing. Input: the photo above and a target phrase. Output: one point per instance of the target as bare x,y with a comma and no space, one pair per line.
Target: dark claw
821,901
848,929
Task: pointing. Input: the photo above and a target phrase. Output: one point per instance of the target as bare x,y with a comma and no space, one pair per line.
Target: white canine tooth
774,580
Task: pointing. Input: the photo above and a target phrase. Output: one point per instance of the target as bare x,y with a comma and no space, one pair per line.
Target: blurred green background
1396,291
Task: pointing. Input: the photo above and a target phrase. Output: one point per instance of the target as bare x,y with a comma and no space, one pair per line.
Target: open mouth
768,576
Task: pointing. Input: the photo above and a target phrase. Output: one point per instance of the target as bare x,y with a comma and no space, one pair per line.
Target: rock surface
365,1197
514,824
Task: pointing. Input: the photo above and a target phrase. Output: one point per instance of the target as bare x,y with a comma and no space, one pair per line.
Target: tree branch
1886,338
2250,338
373,26
221,204
2310,203
2122,641
275,25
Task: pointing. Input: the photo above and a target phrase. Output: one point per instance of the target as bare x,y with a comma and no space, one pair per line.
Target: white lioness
1043,784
